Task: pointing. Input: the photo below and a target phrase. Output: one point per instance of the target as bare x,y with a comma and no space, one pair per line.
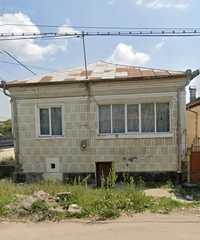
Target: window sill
50,137
132,135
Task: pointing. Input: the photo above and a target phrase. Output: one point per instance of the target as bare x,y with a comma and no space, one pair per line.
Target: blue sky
170,53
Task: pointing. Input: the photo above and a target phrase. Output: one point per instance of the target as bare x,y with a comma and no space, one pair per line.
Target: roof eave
10,85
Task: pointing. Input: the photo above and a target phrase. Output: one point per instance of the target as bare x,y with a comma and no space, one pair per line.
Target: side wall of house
192,124
151,153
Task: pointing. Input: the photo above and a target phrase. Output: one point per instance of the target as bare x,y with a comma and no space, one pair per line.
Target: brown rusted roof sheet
194,103
99,71
46,79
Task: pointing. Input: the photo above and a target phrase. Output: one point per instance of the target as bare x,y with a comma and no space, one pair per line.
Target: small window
53,165
118,118
147,117
104,119
50,121
162,114
132,118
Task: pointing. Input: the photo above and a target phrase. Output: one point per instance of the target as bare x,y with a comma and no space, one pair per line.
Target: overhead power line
135,33
132,32
19,62
39,37
32,66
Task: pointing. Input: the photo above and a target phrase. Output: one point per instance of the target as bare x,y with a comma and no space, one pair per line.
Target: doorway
103,169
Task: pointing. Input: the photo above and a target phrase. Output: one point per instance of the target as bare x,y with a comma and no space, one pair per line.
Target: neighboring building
193,136
193,118
66,125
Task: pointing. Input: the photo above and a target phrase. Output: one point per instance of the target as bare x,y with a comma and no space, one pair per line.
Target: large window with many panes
134,118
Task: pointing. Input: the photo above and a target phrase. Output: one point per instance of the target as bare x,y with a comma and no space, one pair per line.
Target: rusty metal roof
99,71
194,103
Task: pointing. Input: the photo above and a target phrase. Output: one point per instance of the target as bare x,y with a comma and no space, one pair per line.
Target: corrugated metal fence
6,142
195,161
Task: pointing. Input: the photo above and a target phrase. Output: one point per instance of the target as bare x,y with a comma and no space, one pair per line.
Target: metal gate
195,162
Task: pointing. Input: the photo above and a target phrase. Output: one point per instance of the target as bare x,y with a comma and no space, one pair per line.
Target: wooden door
103,169
195,167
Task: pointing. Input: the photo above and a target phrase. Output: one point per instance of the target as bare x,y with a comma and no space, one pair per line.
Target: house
193,118
193,136
132,118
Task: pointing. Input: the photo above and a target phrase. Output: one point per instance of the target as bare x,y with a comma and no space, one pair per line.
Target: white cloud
125,54
158,4
66,29
159,45
29,49
111,2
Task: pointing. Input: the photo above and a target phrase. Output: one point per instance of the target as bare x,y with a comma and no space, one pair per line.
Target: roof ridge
111,63
127,65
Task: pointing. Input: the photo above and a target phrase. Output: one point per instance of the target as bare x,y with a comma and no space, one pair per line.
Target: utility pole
84,55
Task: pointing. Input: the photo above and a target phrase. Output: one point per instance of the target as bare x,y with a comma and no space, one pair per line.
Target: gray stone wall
129,153
145,154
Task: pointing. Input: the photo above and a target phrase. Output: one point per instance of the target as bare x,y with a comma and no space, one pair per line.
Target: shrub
106,207
6,128
112,178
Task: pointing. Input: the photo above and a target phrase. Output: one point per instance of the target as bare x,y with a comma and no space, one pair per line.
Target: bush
39,206
6,128
107,206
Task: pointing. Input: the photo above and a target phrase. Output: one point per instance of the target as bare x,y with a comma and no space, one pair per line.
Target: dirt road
146,226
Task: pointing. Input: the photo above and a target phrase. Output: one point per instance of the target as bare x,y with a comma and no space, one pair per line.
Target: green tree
6,128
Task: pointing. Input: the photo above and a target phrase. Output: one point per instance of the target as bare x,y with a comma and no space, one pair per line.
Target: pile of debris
168,193
42,205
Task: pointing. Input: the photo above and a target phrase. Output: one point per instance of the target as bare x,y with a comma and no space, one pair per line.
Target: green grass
101,203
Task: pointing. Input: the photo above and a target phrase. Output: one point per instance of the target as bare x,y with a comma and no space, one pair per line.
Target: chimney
193,92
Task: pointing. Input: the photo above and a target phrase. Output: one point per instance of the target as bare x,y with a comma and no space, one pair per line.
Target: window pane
56,120
104,119
118,118
44,121
162,115
147,117
132,118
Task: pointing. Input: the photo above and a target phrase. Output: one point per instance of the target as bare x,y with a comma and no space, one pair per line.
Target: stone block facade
150,153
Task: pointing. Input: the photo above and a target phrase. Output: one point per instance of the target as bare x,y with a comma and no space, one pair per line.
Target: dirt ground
6,153
159,192
144,226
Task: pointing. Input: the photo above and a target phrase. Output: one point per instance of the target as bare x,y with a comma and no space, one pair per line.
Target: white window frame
138,133
170,118
126,119
48,106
